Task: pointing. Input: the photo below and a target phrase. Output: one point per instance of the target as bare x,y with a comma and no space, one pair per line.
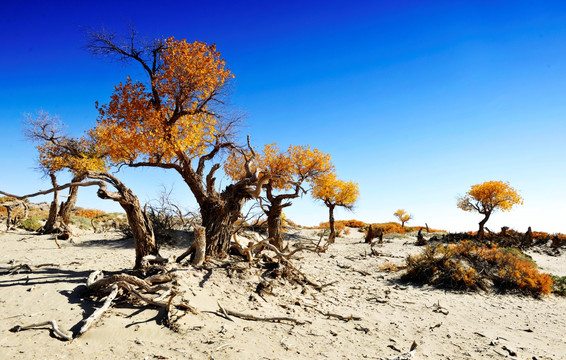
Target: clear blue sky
415,100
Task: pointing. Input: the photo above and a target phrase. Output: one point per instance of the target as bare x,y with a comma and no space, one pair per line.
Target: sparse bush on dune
30,224
81,222
466,266
559,285
88,213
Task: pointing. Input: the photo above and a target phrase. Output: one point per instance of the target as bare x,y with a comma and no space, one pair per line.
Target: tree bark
332,236
481,224
275,210
68,206
197,248
142,230
49,226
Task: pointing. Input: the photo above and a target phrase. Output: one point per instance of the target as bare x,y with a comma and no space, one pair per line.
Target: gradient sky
415,100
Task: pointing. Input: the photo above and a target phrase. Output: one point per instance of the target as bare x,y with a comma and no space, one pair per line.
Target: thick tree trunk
49,226
274,223
68,206
217,219
332,236
482,223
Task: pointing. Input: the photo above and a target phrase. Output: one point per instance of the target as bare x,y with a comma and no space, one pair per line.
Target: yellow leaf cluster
287,169
334,191
172,117
489,196
402,215
79,156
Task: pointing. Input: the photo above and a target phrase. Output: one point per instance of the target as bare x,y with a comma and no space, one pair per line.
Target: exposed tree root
227,312
53,324
98,313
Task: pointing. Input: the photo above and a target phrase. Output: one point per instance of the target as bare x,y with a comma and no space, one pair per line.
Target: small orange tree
488,197
57,152
335,192
403,216
284,174
84,158
175,118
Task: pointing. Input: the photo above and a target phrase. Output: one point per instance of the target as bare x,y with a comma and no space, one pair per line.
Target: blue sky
415,100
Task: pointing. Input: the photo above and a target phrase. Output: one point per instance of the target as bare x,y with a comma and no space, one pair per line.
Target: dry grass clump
88,213
466,266
344,223
391,267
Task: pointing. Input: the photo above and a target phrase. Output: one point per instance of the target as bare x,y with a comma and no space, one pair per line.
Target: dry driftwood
198,247
227,312
53,324
340,317
98,313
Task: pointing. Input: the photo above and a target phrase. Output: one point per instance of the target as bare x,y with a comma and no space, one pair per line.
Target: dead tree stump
197,248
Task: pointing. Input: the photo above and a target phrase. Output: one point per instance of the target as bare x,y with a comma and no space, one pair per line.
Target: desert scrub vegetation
466,266
30,224
559,285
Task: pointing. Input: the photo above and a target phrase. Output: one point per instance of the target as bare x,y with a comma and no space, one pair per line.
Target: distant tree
488,197
286,172
335,192
403,217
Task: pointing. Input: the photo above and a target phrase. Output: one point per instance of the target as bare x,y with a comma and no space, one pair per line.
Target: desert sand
363,312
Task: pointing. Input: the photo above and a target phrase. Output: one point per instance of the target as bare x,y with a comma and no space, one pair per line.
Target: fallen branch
340,317
53,324
98,313
257,318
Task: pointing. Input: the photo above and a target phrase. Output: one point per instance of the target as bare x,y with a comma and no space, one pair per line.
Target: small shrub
30,224
347,231
390,267
354,223
82,222
471,267
395,235
88,213
559,285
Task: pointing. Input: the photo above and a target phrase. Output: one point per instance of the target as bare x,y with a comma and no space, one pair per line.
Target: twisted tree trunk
142,230
68,206
49,226
481,224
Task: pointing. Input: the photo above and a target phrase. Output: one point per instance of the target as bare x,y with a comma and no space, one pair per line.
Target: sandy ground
392,315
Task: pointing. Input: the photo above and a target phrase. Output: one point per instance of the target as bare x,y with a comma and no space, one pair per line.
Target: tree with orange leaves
176,119
286,172
403,216
335,192
85,160
487,197
57,152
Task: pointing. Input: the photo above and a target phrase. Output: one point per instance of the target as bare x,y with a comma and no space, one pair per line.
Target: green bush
559,285
30,224
82,222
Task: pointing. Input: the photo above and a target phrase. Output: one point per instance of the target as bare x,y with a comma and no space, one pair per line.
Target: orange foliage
468,266
403,216
489,196
89,213
344,223
335,192
287,169
157,124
